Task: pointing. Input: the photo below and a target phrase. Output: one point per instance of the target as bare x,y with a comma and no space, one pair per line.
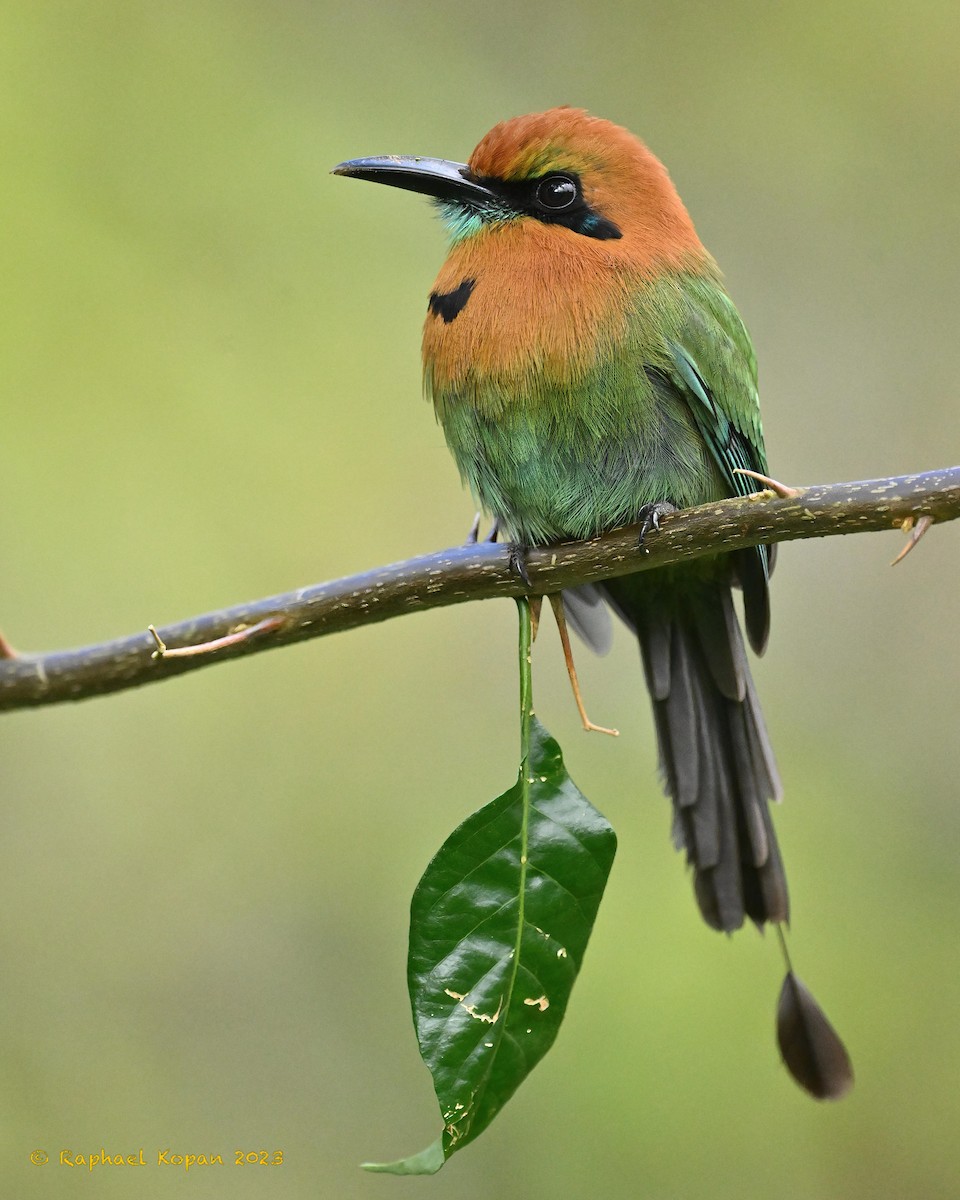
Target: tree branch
476,571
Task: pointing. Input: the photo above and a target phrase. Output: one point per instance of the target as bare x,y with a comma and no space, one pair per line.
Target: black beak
432,176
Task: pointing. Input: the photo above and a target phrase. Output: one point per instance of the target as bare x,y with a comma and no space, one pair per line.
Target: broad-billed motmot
589,371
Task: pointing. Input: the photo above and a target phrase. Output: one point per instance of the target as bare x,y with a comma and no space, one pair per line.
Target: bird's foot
517,560
516,551
650,516
474,535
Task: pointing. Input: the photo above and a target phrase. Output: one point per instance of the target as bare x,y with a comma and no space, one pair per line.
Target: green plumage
555,457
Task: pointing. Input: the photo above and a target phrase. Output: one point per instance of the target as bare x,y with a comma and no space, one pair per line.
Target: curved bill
432,176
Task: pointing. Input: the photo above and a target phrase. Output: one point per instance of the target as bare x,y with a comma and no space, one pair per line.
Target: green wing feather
714,368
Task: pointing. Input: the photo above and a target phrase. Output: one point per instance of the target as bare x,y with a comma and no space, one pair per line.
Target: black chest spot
449,305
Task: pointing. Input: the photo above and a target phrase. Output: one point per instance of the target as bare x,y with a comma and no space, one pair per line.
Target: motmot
590,371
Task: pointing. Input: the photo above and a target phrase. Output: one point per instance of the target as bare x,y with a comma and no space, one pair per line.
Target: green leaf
427,1162
499,924
498,928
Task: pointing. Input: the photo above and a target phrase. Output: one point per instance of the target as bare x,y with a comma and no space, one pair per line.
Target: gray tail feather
715,756
587,614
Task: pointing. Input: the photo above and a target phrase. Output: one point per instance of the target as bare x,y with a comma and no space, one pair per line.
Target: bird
590,371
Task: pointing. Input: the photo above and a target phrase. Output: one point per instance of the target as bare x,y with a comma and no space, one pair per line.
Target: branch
476,571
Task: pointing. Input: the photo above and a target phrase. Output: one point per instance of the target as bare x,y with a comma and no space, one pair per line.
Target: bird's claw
516,553
650,516
517,561
474,535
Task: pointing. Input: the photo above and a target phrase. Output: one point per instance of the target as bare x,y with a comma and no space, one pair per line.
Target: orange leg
556,603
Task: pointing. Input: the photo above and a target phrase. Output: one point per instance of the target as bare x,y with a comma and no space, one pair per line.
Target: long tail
715,756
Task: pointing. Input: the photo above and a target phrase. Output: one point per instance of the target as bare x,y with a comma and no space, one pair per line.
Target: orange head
562,168
558,221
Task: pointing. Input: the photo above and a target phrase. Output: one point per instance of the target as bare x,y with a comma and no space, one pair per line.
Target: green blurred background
210,392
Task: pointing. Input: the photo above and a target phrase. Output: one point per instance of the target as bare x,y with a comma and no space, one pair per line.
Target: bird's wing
712,365
715,366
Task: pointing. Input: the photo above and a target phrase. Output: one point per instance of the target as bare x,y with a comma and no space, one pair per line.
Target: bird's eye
557,193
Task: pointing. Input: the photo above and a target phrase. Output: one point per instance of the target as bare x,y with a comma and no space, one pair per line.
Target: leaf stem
526,679
526,781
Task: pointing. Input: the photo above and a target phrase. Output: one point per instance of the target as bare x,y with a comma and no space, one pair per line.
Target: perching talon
650,516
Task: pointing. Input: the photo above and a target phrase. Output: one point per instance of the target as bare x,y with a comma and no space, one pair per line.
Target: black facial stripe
591,224
521,195
448,305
